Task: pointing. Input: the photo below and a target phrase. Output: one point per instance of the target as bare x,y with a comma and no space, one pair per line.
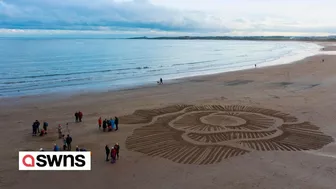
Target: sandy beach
287,113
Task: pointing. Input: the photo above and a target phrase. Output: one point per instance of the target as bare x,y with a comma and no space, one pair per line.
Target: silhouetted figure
161,81
117,148
104,125
107,151
45,127
80,116
77,116
116,122
68,141
64,143
34,128
38,126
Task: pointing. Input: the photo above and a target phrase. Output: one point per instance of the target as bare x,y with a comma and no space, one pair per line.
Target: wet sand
303,91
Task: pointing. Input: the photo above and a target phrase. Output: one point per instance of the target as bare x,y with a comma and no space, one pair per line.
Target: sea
67,66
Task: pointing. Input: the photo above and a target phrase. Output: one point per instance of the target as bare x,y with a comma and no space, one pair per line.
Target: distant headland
254,38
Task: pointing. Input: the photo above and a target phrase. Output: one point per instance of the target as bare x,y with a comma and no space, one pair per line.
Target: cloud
94,15
221,17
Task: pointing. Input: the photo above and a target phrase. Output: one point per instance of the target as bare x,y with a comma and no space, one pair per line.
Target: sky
168,17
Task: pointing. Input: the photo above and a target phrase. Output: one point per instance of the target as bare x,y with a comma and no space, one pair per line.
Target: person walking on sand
68,141
76,116
80,116
113,155
117,148
161,81
116,122
100,122
107,151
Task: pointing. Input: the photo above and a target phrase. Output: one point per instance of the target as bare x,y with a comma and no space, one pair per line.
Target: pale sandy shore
305,89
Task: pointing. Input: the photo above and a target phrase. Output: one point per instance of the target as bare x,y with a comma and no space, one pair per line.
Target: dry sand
305,90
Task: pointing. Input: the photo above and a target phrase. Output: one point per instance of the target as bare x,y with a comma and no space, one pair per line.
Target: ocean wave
76,73
192,63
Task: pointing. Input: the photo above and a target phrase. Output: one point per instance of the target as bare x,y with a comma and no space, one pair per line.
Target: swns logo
55,161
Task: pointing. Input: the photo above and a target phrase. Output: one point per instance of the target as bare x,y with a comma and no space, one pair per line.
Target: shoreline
52,98
288,59
329,49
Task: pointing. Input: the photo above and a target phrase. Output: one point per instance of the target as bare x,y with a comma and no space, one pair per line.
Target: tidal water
40,66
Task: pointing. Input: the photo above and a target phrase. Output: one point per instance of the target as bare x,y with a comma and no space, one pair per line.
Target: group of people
109,124
113,152
78,116
36,128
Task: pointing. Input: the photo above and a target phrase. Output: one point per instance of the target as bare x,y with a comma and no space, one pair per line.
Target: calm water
36,66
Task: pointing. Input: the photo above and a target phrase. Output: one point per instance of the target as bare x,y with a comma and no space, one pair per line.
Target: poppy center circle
222,120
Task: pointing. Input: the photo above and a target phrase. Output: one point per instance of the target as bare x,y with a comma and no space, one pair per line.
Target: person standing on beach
34,128
107,151
76,116
60,135
116,122
161,81
38,126
117,148
112,123
104,125
113,155
68,142
100,122
80,115
45,127
64,143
